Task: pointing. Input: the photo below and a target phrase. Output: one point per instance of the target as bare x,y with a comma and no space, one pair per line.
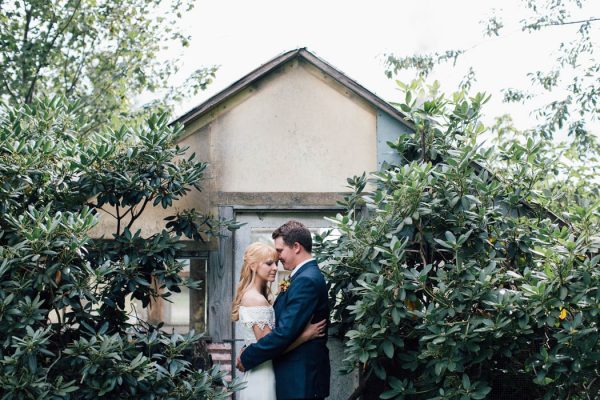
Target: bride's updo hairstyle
255,254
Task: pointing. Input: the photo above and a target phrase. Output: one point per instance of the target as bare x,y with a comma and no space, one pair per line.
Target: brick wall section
221,355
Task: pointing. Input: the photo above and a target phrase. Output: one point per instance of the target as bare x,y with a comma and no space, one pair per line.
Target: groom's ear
297,247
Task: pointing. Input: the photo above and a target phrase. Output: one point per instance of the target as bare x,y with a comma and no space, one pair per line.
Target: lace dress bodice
250,316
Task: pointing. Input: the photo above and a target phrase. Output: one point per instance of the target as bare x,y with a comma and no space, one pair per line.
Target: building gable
293,125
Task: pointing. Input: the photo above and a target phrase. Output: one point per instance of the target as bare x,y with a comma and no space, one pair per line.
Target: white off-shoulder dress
261,379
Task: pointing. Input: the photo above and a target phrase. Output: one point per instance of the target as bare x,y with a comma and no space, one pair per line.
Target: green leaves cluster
65,332
449,282
100,52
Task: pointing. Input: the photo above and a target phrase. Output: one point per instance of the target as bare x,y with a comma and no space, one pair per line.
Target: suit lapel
279,300
278,305
302,269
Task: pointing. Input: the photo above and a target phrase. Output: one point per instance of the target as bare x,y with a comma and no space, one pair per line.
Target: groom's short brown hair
292,232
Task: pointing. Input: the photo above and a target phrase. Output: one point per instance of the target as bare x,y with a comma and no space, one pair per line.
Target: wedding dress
260,381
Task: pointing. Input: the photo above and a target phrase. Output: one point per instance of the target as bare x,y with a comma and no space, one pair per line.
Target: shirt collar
299,266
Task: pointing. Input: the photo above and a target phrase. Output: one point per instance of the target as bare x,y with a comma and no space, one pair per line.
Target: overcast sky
353,36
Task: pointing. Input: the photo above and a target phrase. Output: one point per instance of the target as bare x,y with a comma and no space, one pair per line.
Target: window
188,309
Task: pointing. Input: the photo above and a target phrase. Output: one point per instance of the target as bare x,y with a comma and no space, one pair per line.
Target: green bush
64,330
449,283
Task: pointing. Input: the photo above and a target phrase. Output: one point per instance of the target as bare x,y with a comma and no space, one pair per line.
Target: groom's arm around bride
304,371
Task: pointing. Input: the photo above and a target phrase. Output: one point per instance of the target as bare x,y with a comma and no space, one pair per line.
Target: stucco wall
296,133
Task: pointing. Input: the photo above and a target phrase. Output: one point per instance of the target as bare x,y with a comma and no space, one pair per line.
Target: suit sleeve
300,306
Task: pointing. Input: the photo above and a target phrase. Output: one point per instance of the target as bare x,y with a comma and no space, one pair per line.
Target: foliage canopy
450,282
563,94
572,79
66,332
100,52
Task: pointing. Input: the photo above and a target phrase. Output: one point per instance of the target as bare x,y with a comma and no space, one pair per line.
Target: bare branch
71,88
134,217
44,56
118,220
10,92
28,15
108,212
582,21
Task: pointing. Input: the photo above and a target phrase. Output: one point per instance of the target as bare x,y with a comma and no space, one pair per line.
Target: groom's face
287,255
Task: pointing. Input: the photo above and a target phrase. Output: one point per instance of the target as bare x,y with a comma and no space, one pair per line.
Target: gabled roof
275,63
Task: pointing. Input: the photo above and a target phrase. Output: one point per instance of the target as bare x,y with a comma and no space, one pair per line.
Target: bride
252,307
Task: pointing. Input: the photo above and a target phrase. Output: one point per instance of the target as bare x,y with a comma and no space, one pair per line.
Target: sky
354,36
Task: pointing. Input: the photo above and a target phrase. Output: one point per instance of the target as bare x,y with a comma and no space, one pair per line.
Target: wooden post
220,284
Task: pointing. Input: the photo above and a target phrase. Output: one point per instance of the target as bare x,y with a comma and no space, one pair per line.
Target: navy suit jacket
302,373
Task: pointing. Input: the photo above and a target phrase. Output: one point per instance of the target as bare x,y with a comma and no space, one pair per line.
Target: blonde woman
252,307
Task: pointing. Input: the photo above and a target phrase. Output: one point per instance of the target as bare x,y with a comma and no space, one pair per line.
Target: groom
302,373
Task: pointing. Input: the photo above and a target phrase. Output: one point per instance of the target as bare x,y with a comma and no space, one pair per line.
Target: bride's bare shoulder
252,298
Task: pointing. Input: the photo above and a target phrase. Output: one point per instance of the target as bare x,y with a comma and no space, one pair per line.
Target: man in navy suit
302,373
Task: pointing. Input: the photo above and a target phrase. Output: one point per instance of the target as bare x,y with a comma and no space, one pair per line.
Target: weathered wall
295,134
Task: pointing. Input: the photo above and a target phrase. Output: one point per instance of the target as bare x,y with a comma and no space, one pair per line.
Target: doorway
259,227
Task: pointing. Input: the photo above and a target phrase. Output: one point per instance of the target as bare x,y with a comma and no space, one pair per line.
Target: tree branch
421,131
582,21
10,92
78,72
49,46
28,15
100,208
134,217
118,220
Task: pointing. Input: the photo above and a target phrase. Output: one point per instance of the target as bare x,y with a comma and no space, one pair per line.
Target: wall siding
388,130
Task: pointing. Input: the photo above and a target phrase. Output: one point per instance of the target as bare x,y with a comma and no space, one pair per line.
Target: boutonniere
284,285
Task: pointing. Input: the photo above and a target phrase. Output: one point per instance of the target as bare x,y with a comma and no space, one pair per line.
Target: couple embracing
286,356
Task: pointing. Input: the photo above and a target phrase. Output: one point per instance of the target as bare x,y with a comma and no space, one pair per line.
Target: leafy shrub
64,329
449,283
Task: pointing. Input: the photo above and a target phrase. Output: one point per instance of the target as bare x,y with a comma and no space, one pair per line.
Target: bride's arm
310,332
252,299
259,333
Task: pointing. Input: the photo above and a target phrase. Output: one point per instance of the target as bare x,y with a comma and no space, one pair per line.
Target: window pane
187,309
198,297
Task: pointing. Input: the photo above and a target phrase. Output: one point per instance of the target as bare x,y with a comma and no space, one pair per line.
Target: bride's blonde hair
255,254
